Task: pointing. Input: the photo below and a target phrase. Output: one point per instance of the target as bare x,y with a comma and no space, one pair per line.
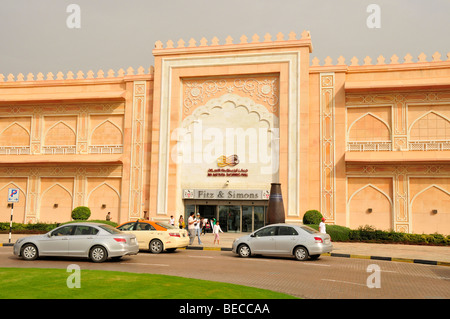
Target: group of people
198,226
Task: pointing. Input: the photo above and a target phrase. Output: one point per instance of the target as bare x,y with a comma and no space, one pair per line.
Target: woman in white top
216,231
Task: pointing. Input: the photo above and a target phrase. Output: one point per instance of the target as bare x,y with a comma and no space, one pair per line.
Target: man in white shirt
198,229
191,228
322,227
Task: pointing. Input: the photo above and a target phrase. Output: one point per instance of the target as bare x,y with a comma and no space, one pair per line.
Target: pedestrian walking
216,231
172,220
204,223
181,224
108,216
198,229
191,228
322,227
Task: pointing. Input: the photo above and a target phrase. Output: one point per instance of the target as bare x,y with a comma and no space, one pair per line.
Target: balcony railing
429,145
59,150
106,149
369,146
14,150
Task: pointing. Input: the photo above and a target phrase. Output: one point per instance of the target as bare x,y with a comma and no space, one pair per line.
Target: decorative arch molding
54,185
100,185
427,188
100,124
374,116
366,186
425,114
57,123
238,101
18,124
15,185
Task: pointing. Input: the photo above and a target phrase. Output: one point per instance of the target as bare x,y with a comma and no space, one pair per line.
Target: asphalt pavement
433,255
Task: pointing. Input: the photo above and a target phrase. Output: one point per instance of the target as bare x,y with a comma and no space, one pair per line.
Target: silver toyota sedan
95,241
283,239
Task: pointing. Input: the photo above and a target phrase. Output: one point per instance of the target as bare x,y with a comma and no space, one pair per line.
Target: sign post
13,197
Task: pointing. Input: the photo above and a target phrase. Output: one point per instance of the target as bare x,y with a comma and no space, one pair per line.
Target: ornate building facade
211,125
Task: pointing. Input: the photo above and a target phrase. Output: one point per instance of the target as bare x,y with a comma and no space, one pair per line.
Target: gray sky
114,34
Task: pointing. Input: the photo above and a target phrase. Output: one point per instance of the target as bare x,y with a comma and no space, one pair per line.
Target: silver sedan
283,239
97,242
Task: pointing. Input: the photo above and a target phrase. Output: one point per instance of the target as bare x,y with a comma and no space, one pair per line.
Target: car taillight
120,240
174,234
318,240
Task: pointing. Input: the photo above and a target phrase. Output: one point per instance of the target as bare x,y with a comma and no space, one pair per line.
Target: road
325,278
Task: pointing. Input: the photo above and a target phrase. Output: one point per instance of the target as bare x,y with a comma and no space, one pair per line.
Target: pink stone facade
364,142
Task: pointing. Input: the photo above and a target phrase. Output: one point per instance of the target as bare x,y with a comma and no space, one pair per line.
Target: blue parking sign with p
13,195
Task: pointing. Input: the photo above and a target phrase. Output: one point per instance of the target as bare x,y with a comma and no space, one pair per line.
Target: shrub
312,217
81,213
336,232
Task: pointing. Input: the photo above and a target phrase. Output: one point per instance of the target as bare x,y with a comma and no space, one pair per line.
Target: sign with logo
223,161
13,195
226,194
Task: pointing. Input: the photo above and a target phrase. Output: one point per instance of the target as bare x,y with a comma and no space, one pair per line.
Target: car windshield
308,229
110,229
165,225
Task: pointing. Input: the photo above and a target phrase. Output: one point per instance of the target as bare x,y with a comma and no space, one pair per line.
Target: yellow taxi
156,236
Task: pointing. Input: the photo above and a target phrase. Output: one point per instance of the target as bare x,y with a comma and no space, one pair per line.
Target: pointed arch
372,186
417,121
100,185
377,119
20,208
50,213
109,196
16,141
427,188
54,126
54,185
106,142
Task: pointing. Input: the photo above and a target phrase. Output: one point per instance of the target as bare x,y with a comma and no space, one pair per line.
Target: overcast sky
113,34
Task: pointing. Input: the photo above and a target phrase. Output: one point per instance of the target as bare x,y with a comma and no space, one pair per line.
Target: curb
397,259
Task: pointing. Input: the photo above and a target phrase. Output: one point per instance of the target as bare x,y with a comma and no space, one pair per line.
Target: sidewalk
434,255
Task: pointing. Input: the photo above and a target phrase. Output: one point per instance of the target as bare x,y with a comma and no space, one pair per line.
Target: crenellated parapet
80,75
380,60
243,42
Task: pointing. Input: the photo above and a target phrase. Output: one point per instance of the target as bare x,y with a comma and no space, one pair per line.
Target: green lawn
36,283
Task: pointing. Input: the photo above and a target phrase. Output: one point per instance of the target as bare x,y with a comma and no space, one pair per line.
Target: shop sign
228,194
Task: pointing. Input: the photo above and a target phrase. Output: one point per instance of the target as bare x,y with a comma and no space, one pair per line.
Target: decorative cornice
128,74
381,62
244,44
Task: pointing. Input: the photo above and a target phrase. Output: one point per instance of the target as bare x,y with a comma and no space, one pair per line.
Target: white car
283,239
95,241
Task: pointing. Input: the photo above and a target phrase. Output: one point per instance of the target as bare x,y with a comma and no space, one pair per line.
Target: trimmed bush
313,217
336,232
81,213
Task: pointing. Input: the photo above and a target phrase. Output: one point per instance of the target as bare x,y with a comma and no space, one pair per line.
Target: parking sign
13,195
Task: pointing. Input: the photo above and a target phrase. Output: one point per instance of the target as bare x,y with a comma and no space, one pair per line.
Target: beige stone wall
364,142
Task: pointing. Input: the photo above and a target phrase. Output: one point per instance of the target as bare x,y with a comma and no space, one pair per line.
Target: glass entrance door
230,218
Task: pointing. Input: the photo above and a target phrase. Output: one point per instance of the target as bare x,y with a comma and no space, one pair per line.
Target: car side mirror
252,235
49,235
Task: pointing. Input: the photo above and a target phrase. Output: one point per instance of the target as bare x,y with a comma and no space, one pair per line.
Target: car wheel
301,253
244,251
98,254
29,252
156,246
